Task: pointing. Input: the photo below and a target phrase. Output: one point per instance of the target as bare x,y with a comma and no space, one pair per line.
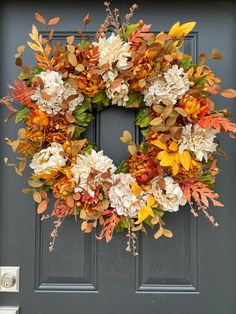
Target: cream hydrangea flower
87,163
173,85
113,49
121,197
118,95
55,88
52,157
171,197
198,140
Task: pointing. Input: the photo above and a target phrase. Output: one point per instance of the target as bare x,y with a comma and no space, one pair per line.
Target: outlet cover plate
9,310
15,270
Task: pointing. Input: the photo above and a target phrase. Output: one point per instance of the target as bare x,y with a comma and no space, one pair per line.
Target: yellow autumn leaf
159,41
146,188
174,30
186,28
159,144
173,146
34,46
166,160
150,200
136,189
176,158
144,212
183,30
185,159
175,168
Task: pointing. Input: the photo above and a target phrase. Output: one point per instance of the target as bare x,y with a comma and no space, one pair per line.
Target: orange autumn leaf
218,122
228,93
40,18
42,207
37,197
54,21
200,193
108,225
70,201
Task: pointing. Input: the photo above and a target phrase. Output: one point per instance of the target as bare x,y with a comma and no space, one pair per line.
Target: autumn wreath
124,65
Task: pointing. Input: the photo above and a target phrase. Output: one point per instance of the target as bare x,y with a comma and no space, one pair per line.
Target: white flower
118,95
158,90
198,140
113,49
55,88
178,81
171,197
121,196
173,85
85,164
52,157
109,77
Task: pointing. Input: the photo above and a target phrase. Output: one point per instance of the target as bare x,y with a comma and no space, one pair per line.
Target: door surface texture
193,273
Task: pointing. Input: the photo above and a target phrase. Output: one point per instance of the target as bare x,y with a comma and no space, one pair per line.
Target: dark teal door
191,274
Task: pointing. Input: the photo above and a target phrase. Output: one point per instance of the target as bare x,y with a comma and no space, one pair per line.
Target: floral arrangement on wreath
129,66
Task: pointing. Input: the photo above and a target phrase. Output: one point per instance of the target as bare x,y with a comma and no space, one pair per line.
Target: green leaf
145,122
144,146
83,44
81,114
142,113
135,100
83,118
105,100
186,63
129,30
143,119
88,149
87,103
119,227
145,132
148,222
22,114
98,98
76,211
123,167
200,82
38,70
78,132
160,213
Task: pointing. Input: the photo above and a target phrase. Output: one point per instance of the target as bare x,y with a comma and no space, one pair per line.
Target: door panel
192,273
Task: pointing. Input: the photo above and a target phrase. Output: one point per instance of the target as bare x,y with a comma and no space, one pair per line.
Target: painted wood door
192,273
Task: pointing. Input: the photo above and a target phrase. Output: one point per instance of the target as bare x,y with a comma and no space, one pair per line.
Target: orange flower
192,106
36,122
63,187
88,84
49,174
142,167
73,148
57,129
141,70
